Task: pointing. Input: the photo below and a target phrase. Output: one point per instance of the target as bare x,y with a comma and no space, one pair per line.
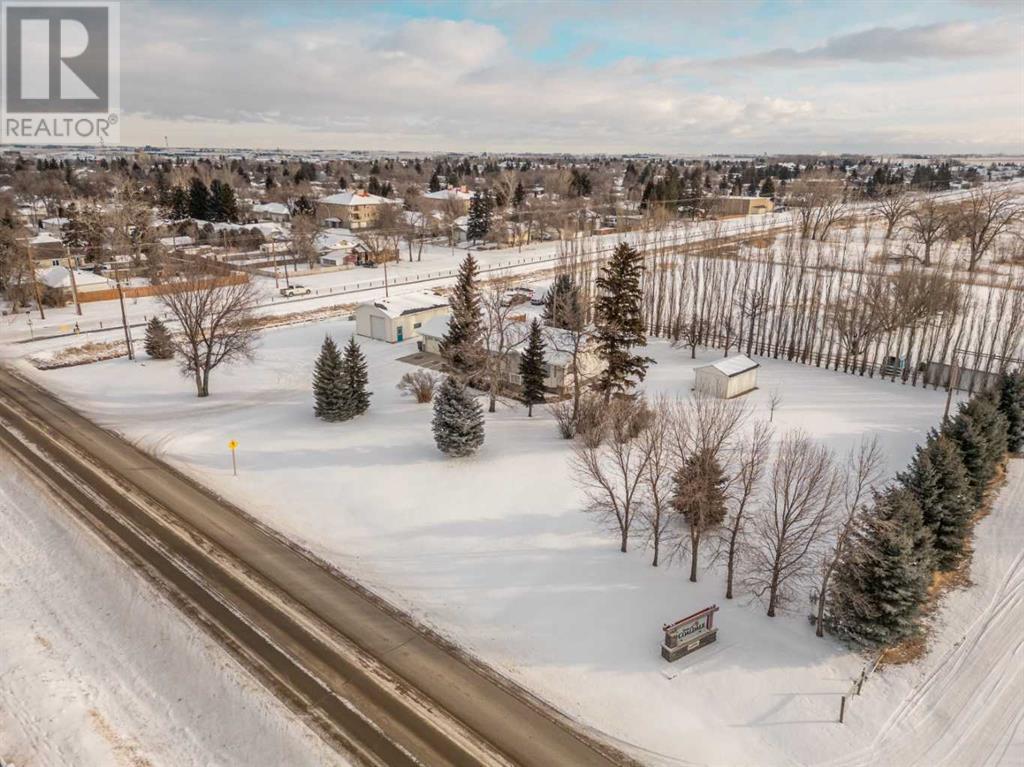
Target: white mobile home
398,318
727,378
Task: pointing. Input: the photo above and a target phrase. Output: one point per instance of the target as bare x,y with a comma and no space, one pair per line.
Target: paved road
363,675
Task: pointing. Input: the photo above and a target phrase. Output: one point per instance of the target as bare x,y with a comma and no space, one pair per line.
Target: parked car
539,297
514,297
295,290
369,264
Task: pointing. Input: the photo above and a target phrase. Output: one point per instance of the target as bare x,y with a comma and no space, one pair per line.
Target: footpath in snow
98,668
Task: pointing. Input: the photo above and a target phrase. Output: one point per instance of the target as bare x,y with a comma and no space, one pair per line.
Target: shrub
421,384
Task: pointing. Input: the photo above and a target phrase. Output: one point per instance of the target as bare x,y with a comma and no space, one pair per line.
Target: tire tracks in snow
967,708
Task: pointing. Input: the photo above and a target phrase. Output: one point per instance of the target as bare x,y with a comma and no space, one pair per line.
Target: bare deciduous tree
982,217
751,458
656,512
382,241
892,207
611,472
573,340
504,332
216,321
927,220
802,490
819,204
304,230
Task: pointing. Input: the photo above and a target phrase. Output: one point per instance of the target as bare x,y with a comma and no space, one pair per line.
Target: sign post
234,466
689,634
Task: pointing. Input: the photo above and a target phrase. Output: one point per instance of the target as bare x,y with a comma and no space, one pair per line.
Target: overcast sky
681,78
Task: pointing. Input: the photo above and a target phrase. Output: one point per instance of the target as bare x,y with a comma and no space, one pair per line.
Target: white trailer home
727,378
398,318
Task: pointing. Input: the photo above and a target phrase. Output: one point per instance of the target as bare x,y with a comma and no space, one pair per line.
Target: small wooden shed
728,378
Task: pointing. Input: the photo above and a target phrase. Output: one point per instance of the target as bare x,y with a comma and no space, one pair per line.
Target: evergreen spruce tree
352,381
878,588
562,303
198,199
938,481
458,419
327,395
979,430
226,203
768,188
179,204
1011,405
699,495
158,340
531,368
518,196
479,222
462,345
435,182
620,322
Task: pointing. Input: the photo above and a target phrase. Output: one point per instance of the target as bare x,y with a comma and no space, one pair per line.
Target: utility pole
954,382
124,322
35,284
385,275
74,285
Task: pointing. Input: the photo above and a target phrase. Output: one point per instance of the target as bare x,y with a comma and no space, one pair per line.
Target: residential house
558,368
450,199
352,210
272,211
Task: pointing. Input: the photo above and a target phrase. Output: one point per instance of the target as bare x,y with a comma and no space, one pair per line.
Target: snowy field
98,668
494,551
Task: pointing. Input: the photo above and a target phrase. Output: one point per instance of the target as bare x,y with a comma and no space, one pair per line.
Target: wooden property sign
689,634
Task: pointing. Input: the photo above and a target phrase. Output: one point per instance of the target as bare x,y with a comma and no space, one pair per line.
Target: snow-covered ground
494,551
98,668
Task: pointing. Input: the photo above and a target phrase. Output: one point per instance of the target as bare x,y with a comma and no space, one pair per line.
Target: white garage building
728,378
398,318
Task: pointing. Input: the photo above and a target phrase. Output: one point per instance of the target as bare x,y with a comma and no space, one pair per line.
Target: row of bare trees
833,305
697,480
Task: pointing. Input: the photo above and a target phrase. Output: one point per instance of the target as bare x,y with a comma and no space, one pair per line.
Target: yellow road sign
232,444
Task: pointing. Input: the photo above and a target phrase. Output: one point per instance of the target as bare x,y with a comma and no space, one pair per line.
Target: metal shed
728,378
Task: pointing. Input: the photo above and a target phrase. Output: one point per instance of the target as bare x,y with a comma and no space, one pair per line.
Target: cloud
946,42
367,81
